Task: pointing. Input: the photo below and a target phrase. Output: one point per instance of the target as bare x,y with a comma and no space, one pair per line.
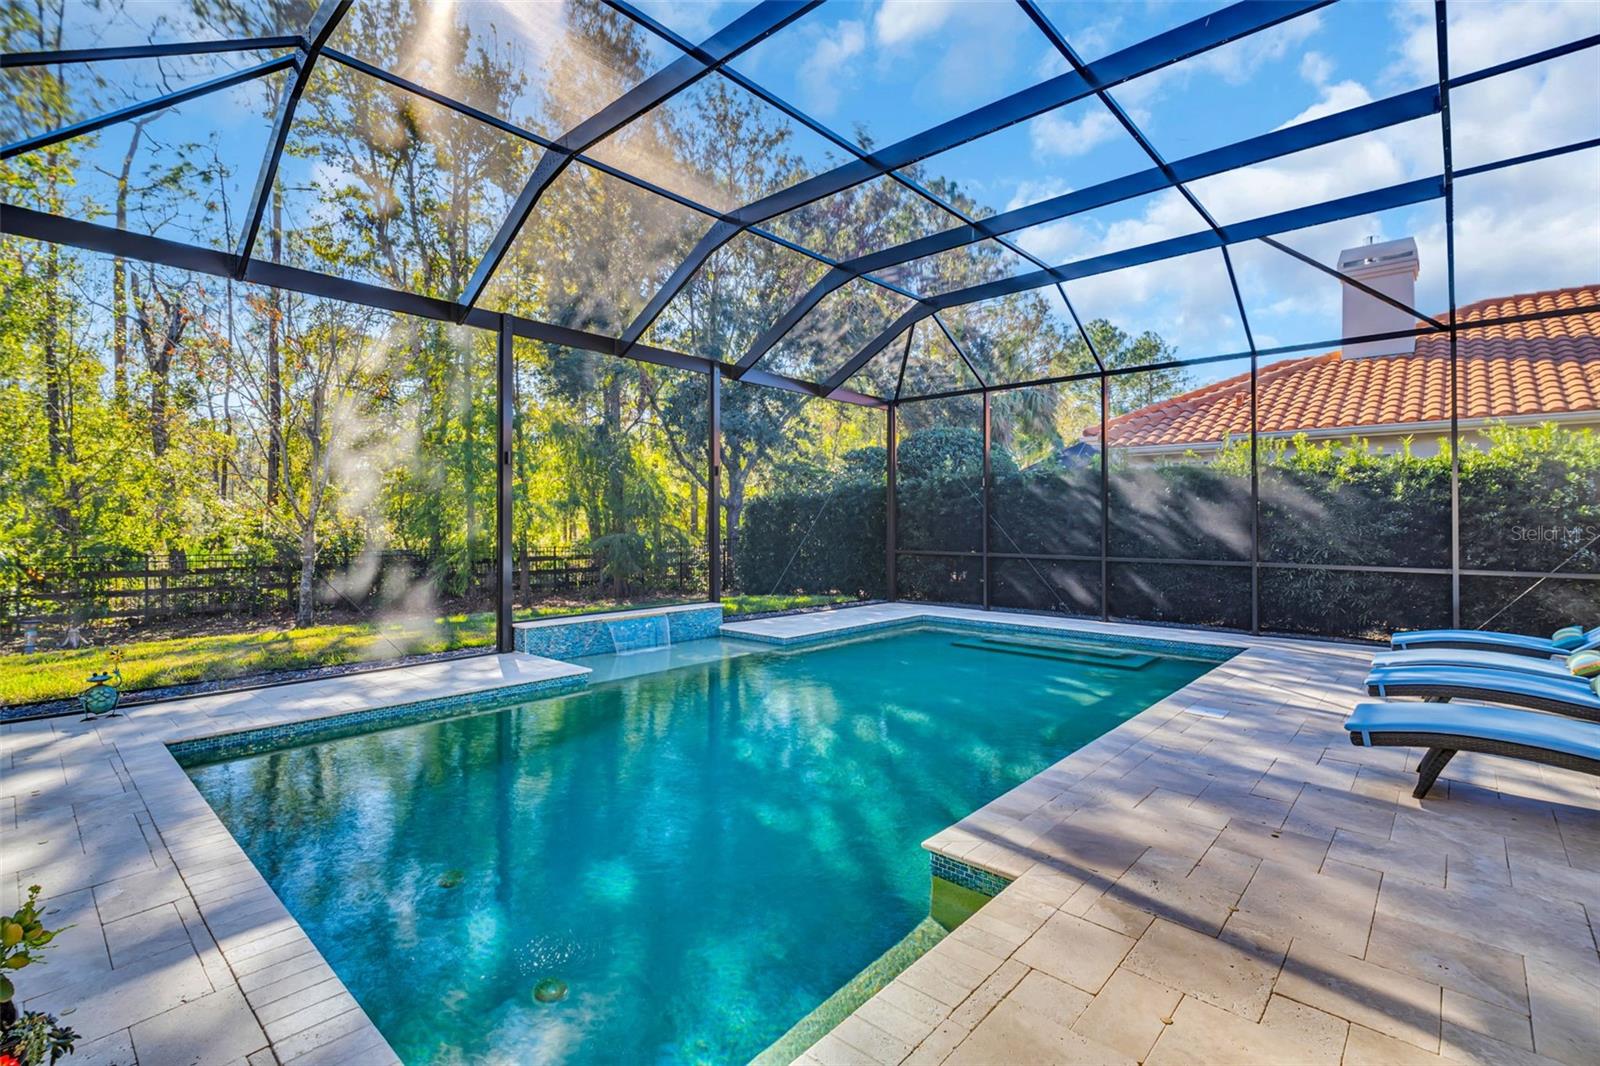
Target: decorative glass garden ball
550,990
101,697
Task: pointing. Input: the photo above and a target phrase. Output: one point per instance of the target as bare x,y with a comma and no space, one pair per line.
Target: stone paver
1456,962
1566,1012
1129,1014
1235,972
1202,1035
1076,951
1393,1003
1014,1034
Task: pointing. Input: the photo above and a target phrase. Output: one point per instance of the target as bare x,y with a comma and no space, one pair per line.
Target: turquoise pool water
702,855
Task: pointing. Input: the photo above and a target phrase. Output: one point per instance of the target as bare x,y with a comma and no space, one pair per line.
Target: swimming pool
701,855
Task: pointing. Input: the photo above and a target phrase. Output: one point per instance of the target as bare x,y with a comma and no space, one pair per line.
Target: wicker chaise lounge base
1515,734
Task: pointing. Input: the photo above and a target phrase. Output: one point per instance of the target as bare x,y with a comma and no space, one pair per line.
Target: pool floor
700,856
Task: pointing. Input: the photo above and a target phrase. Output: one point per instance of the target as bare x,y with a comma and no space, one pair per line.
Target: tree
1119,351
330,363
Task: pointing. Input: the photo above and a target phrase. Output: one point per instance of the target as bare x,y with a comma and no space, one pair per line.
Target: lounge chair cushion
1470,659
1584,663
1510,642
1566,690
1505,724
1568,637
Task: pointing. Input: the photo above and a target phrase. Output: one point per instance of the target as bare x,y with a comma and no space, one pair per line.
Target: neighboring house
1389,391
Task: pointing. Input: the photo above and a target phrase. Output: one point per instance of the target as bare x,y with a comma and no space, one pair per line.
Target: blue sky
889,68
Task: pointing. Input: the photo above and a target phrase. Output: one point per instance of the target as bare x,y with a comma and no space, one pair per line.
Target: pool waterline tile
979,880
1187,649
221,747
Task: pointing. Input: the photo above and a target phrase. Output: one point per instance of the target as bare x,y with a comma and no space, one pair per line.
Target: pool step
1059,651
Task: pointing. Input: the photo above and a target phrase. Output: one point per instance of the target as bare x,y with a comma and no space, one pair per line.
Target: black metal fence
139,589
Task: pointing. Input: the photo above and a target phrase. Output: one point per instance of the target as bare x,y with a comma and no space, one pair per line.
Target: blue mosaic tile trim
1220,653
604,636
274,738
980,881
695,625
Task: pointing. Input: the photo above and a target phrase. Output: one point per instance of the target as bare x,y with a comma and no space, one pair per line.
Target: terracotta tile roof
1524,368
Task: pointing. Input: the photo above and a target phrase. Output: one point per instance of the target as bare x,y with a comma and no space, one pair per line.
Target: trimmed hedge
1530,500
815,542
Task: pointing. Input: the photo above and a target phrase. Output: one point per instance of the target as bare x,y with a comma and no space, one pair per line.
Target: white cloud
1187,300
1238,61
1061,241
1316,68
1235,64
1059,134
1529,228
820,74
1483,34
1029,191
1340,96
1535,108
1358,164
902,21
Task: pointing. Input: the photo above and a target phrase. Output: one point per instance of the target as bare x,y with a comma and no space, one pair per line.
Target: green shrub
814,542
1529,501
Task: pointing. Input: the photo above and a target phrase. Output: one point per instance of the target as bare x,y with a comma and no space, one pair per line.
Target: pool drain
550,990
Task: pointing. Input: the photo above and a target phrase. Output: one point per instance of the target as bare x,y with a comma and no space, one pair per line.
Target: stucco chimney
1391,268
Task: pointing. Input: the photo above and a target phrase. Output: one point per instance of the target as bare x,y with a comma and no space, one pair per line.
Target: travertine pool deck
1221,879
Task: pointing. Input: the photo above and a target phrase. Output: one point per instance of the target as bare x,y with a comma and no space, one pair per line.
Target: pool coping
261,970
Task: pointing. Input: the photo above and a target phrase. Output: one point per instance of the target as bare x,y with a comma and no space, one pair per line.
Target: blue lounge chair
1510,643
1445,730
1471,659
1570,696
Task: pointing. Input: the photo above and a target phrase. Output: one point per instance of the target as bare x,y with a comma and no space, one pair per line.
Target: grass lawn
736,605
53,675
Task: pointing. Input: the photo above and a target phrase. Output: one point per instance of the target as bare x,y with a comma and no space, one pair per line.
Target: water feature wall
618,631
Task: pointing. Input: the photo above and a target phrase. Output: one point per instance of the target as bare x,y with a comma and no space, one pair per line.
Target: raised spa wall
604,634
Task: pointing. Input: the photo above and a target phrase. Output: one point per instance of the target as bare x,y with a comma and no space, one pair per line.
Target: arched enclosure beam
1404,194
63,56
144,107
742,33
1418,103
1175,45
833,137
323,23
1366,118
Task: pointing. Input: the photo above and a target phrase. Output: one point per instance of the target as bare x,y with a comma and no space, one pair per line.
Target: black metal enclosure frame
711,58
